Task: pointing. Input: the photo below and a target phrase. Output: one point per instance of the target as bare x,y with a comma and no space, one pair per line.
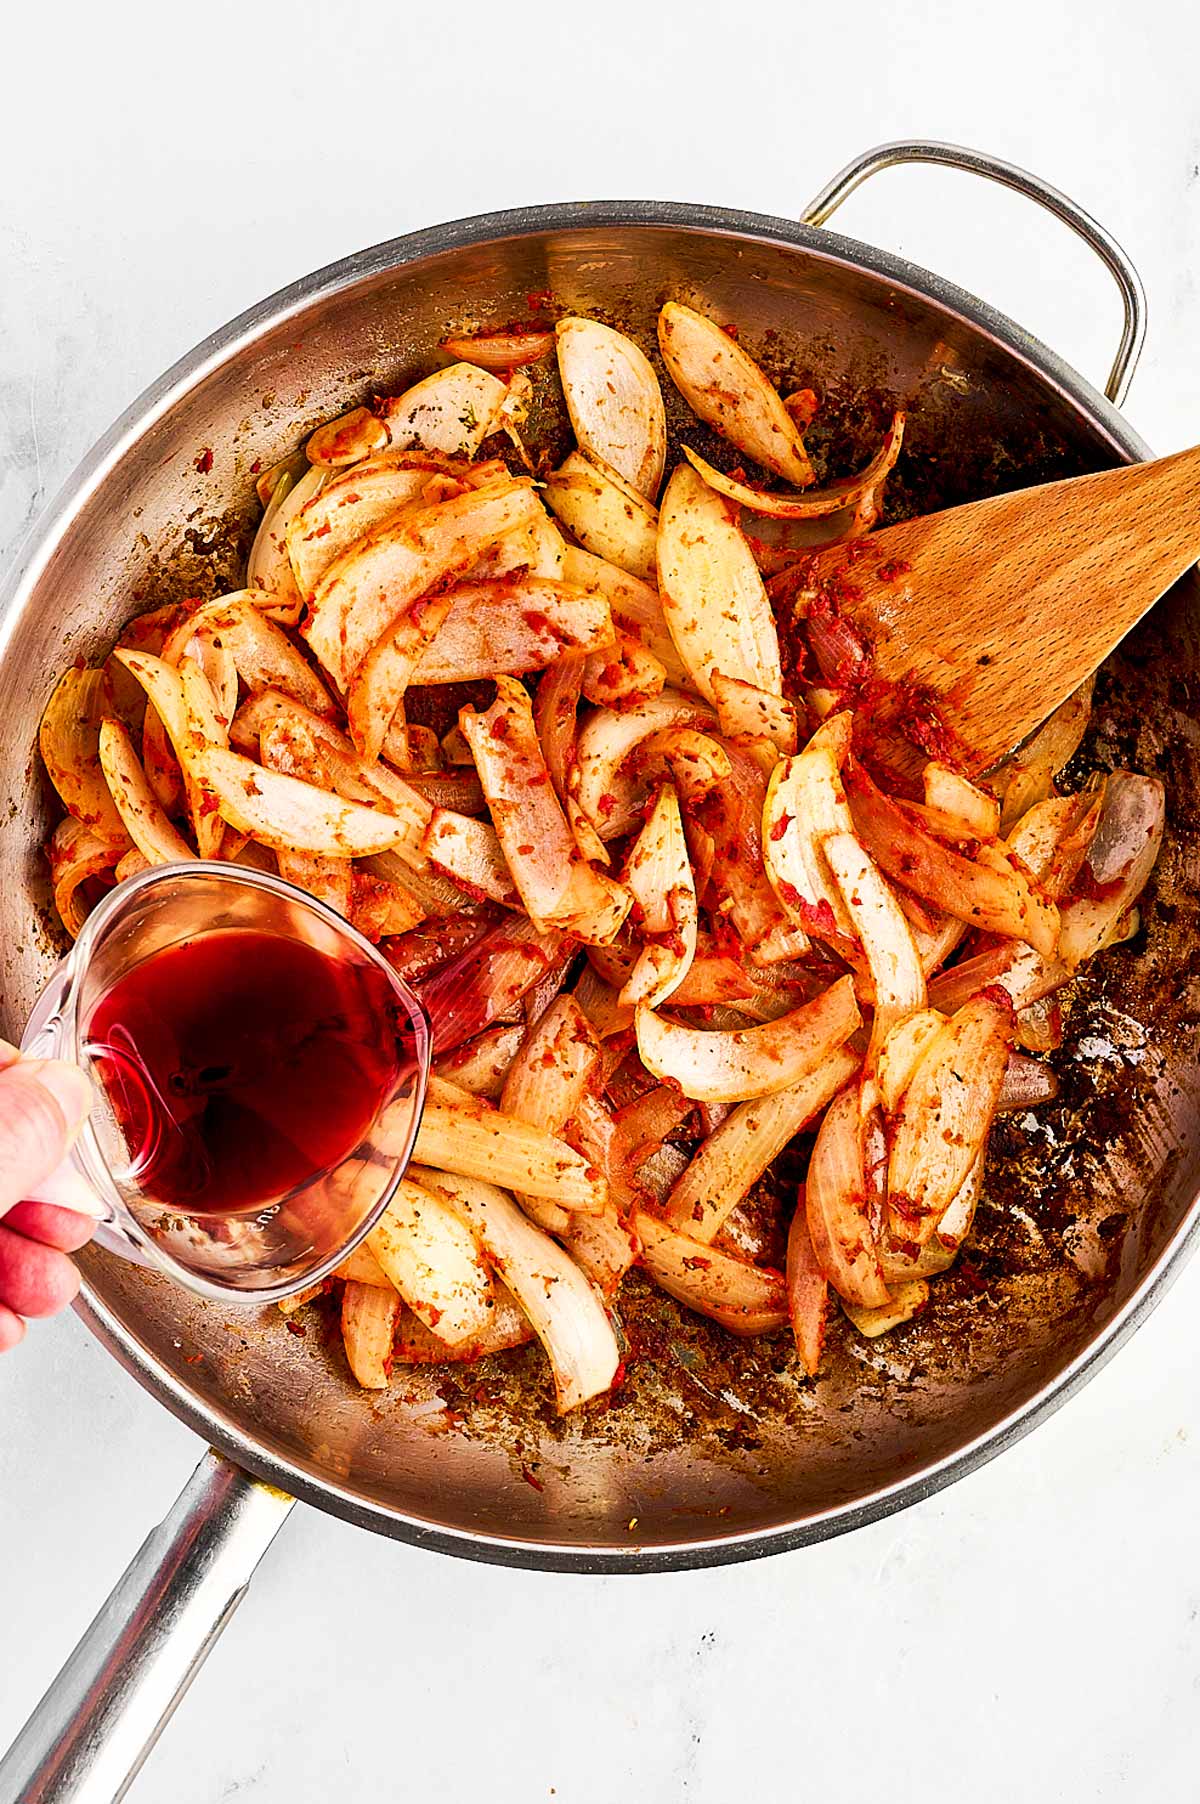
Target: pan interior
711,1439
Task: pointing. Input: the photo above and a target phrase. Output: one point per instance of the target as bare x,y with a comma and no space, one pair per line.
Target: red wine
241,1064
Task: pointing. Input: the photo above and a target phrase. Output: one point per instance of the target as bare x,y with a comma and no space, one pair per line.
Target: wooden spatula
1003,607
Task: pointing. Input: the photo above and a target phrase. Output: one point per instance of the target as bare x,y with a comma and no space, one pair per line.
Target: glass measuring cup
282,1242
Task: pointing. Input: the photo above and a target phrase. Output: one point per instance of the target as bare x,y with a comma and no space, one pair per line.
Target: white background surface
1032,1632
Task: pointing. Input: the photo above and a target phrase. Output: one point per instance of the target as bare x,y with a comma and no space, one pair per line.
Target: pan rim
32,557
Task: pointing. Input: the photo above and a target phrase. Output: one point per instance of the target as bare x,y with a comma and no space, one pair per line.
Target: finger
43,1104
54,1227
9,1055
12,1329
34,1280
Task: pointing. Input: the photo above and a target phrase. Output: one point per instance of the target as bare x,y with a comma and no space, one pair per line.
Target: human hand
43,1105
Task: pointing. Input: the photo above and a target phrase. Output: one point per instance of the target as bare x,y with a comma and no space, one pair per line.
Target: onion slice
879,922
1119,861
368,1326
807,1292
500,350
546,1083
136,803
378,577
971,809
69,740
77,857
806,804
712,594
610,737
268,568
659,876
482,1064
486,979
462,1134
747,712
264,656
351,503
433,1261
753,1061
1028,775
746,1299
614,401
725,386
557,887
752,1136
990,893
941,1124
348,439
907,1299
836,1206
565,1312
634,605
450,412
608,516
512,625
814,504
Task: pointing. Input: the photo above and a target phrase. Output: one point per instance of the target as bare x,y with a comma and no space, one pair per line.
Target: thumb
43,1105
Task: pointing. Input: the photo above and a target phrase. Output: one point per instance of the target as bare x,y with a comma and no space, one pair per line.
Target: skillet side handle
1009,175
87,1739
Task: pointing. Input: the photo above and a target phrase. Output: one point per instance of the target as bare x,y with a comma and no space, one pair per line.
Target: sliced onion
362,1267
482,1064
753,1061
622,672
836,1209
879,922
381,908
908,1298
553,1068
735,1156
604,1245
971,809
377,578
1027,776
1023,974
566,1314
600,1002
606,794
712,594
132,865
285,748
208,728
69,739
1052,838
555,709
643,1124
901,1053
660,877
728,390
714,977
486,980
614,401
368,1326
450,412
290,815
557,887
607,516
268,567
375,699
469,851
144,821
514,625
506,1327
807,1292
348,439
264,656
351,504
990,892
856,492
732,816
1027,1083
634,606
1120,858
805,804
940,1251
500,350
473,1140
433,1261
77,857
745,1299
294,466
435,894
746,712
942,1121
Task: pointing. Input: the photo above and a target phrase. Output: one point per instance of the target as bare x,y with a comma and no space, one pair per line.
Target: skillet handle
975,162
87,1739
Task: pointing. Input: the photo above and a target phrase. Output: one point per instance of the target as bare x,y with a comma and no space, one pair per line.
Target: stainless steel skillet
721,1453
